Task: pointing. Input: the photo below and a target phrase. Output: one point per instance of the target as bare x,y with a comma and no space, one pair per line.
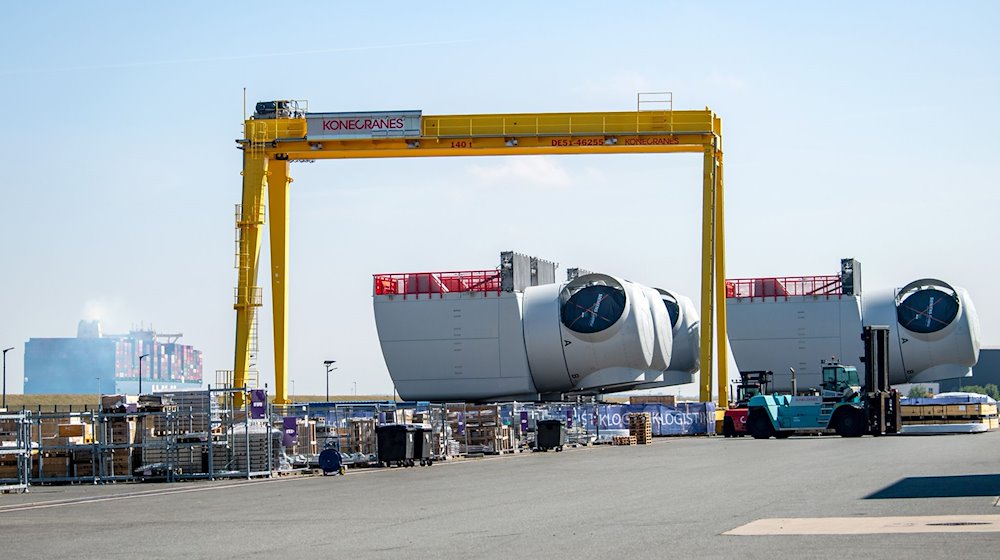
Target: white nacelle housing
686,352
934,329
595,333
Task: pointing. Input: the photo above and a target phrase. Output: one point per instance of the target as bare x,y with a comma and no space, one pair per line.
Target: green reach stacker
841,406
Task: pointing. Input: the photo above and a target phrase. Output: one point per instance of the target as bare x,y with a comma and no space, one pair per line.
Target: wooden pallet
640,425
623,440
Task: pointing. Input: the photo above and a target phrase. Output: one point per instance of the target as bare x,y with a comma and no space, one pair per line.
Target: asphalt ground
677,497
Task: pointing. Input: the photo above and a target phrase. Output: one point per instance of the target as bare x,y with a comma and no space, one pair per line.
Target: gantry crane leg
722,354
708,257
248,296
713,282
278,182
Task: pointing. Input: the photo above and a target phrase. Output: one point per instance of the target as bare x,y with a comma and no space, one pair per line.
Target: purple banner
524,421
258,404
290,429
569,419
680,419
461,423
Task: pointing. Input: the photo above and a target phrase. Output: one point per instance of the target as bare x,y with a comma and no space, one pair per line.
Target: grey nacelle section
797,333
463,346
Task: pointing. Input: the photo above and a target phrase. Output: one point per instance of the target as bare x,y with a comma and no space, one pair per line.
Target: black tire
728,427
850,422
759,424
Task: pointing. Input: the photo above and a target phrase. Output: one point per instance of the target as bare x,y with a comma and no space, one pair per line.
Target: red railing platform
784,286
416,283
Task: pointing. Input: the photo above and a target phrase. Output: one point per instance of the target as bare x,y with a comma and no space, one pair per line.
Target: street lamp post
140,371
328,363
5,350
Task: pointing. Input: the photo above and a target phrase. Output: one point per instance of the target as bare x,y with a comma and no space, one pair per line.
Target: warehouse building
985,372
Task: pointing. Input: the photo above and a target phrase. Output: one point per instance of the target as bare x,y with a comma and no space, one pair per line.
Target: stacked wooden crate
121,435
177,431
75,432
13,449
667,400
183,455
360,436
84,462
484,430
640,425
259,460
305,438
54,457
623,440
183,412
953,413
119,432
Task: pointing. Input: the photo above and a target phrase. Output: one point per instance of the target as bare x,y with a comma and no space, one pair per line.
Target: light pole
140,371
98,390
328,363
355,390
5,350
293,389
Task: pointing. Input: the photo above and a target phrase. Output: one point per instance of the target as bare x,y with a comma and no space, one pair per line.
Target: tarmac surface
679,497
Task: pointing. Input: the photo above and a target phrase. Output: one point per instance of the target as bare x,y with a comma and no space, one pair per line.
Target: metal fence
15,451
166,436
204,435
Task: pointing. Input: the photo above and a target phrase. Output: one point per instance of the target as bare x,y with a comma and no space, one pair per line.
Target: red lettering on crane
366,124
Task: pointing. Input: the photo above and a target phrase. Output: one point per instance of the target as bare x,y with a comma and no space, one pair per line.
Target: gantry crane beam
271,143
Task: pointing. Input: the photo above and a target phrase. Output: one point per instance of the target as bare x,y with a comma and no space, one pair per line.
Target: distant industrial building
985,372
94,362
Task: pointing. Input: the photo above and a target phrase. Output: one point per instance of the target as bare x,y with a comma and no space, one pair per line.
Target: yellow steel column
722,355
707,271
247,293
277,199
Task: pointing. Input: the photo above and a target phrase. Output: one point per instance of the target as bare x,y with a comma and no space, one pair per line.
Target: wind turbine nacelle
934,325
445,340
596,332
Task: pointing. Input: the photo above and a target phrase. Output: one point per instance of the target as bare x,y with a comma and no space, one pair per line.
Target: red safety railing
782,287
415,283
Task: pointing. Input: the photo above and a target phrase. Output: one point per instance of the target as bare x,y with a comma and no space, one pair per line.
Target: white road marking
132,495
870,525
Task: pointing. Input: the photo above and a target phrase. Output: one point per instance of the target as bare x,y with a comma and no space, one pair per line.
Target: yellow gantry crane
281,132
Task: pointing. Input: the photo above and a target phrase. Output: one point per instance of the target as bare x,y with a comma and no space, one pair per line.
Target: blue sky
860,129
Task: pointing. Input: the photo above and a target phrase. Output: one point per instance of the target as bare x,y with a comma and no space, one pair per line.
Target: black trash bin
395,444
422,445
550,434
